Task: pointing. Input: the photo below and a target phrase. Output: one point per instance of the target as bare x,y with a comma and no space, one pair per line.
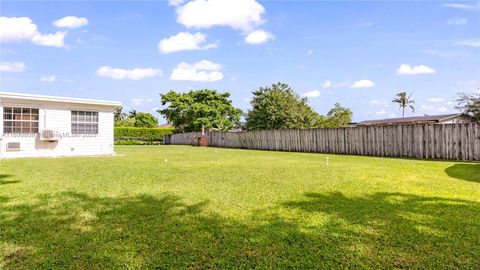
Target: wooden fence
429,141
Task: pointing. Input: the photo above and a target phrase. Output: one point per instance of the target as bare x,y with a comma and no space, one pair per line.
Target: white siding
458,119
57,116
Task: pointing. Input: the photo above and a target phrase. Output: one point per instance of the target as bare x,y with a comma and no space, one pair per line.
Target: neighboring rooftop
165,126
23,96
414,120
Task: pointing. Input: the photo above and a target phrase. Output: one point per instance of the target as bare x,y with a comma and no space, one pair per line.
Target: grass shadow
385,230
465,171
6,176
401,230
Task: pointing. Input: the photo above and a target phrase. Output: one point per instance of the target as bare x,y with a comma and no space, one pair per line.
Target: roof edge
15,95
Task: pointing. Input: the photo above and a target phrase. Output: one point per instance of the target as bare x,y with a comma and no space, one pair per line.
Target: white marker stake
327,160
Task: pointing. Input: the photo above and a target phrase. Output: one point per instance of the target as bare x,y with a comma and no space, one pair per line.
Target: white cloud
137,101
330,84
310,52
469,42
452,103
378,102
132,74
207,65
433,109
176,2
312,94
449,54
140,101
356,84
327,84
463,6
362,84
381,112
202,71
457,21
258,37
12,67
243,15
435,99
14,29
405,69
71,22
50,78
427,107
52,40
185,41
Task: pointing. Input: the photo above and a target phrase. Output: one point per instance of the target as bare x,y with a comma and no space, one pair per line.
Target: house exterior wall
457,120
56,116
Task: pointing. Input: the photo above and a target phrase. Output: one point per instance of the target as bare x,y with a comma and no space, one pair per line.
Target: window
84,122
20,120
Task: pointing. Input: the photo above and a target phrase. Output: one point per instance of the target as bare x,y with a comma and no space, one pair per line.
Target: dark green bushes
135,135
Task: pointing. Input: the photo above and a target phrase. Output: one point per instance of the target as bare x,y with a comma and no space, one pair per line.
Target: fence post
440,141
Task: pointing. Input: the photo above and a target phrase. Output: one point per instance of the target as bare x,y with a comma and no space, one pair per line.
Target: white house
47,126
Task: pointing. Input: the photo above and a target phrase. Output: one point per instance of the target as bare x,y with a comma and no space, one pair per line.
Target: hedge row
141,134
135,142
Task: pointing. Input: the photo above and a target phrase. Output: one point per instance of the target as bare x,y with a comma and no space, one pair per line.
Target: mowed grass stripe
188,207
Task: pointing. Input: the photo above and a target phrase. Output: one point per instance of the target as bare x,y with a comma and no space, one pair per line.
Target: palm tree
132,113
119,115
404,101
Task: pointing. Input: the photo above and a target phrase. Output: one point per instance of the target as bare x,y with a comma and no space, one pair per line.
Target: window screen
84,122
20,120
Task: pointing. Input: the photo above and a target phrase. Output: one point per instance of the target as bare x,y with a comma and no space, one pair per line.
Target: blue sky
356,53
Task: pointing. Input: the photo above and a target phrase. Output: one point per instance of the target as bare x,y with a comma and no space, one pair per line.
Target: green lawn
187,207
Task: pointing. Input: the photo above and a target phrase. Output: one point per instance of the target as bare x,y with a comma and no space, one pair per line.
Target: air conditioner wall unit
49,135
13,146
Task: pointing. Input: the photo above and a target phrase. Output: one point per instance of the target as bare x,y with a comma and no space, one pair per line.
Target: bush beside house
136,135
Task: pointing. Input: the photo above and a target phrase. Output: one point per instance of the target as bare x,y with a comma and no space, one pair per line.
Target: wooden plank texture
429,141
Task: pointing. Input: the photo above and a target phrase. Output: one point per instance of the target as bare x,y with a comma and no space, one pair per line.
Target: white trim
453,116
13,95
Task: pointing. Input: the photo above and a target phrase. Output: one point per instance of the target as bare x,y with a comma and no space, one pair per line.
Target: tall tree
404,101
469,104
132,113
200,109
145,120
278,107
119,115
338,116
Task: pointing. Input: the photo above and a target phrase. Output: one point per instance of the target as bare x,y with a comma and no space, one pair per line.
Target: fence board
449,141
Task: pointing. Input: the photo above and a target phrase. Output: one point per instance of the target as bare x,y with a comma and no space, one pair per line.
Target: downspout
44,119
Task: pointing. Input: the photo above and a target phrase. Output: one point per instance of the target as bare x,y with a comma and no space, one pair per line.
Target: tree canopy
199,108
338,116
404,101
119,115
469,104
145,120
278,107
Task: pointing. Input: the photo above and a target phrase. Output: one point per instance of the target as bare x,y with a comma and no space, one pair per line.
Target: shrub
135,142
127,122
130,134
145,120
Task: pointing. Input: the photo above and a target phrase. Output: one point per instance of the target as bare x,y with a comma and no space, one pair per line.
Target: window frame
87,120
20,119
